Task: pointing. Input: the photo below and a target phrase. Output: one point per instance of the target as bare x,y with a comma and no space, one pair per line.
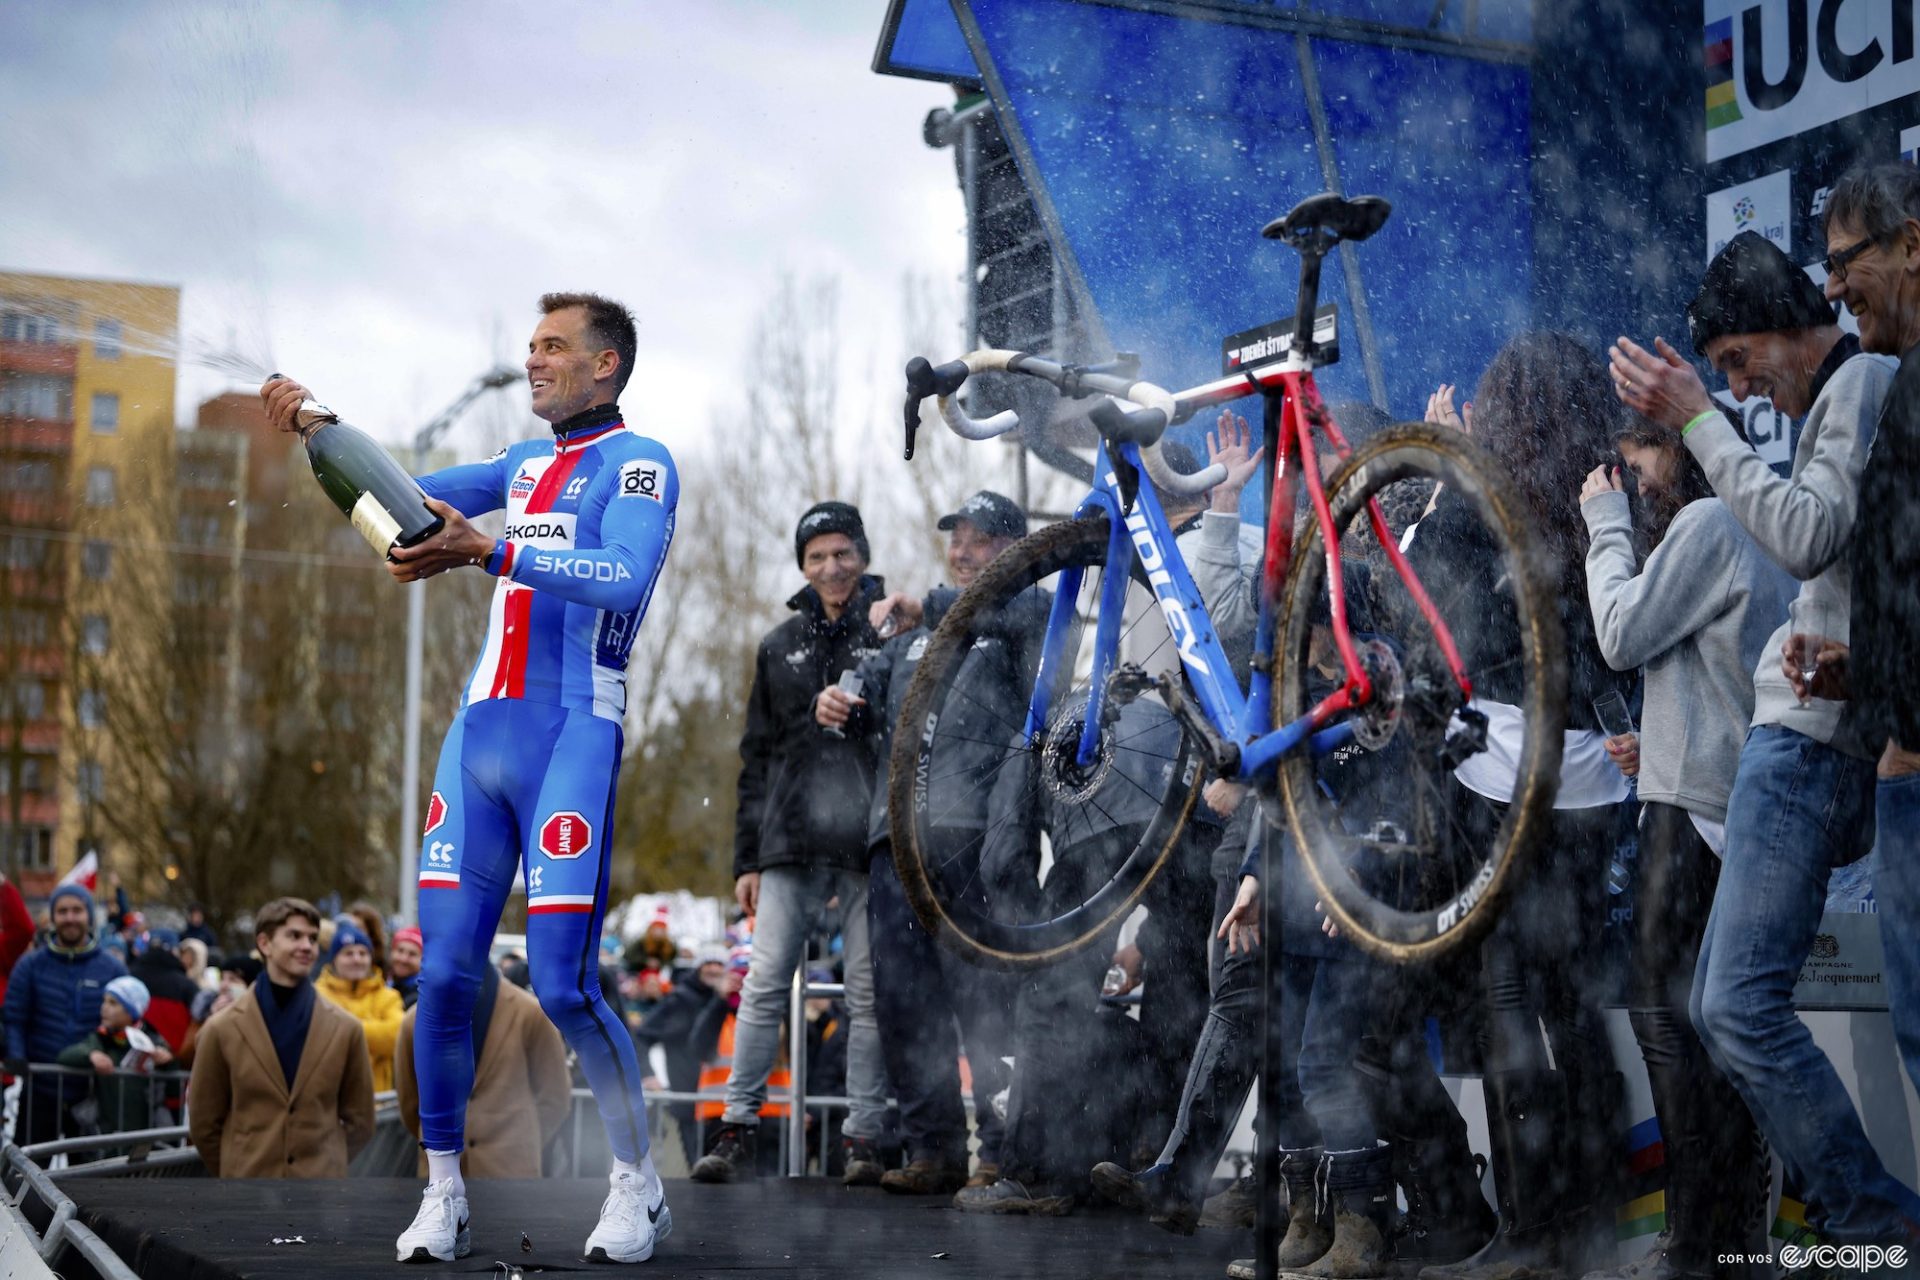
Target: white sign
1764,205
1910,145
1770,77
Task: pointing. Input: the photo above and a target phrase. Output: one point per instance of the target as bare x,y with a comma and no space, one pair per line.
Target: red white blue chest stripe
589,519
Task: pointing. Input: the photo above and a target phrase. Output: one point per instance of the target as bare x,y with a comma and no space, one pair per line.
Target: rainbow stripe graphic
1722,106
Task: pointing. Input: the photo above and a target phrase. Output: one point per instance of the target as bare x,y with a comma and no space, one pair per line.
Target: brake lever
926,379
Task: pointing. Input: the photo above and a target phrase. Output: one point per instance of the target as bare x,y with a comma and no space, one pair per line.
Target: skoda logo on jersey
522,486
540,528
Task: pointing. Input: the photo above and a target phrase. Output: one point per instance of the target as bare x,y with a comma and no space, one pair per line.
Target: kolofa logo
1776,68
1185,638
1764,205
543,527
643,480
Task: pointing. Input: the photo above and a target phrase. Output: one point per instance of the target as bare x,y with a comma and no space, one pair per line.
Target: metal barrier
28,1186
81,1109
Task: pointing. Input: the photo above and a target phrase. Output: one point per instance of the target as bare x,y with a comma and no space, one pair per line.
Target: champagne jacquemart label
375,523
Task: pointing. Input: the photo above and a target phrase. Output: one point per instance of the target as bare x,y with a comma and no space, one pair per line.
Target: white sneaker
633,1220
439,1230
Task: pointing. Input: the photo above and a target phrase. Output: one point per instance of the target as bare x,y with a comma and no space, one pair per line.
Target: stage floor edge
209,1229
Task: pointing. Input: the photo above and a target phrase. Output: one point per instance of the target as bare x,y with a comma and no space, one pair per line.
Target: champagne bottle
385,504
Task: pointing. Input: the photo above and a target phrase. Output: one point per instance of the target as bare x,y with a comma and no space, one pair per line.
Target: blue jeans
791,899
1798,807
1896,888
1342,1007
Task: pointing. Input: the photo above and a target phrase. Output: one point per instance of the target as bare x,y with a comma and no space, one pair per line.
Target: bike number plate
1269,342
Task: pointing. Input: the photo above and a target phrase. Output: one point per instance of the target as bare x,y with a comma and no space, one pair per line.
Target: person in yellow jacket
351,981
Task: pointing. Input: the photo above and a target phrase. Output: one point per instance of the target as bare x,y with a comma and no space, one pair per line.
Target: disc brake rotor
1374,724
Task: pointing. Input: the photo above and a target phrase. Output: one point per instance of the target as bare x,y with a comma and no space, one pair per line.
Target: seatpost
1312,253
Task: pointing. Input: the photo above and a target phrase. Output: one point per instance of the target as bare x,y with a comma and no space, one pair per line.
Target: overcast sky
372,195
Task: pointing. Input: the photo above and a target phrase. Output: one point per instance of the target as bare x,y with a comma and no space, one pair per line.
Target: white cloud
376,194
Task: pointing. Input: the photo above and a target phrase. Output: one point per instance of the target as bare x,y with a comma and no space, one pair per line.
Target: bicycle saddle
1326,219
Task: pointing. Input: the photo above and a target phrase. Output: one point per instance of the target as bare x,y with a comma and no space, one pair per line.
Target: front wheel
1416,833
1012,850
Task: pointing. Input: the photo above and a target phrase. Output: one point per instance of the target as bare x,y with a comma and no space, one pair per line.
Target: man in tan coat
522,1090
282,1085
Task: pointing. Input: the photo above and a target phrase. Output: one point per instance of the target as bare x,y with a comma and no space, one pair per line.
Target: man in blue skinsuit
529,764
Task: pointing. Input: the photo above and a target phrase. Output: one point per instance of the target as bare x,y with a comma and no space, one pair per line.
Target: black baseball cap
991,513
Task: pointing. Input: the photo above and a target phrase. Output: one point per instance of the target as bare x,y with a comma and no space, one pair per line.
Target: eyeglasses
1837,263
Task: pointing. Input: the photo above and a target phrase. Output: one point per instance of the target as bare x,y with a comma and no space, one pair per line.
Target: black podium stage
203,1229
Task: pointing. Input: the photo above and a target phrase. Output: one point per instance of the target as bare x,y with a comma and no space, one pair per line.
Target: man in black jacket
926,992
800,839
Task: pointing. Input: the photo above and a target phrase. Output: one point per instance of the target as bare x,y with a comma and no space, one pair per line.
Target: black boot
1526,1116
1447,1217
1155,1191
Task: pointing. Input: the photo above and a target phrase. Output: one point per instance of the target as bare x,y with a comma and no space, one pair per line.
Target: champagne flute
1810,627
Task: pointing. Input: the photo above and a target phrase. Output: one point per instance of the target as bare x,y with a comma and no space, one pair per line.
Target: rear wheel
1407,862
1014,852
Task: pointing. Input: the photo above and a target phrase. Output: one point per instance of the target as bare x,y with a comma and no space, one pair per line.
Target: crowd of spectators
1760,621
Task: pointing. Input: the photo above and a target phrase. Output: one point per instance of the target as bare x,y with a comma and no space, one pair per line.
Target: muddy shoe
924,1177
729,1155
1234,1207
985,1174
1149,1192
863,1167
1009,1195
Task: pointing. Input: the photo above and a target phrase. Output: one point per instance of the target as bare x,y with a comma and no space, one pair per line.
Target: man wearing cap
800,838
1802,800
926,994
53,998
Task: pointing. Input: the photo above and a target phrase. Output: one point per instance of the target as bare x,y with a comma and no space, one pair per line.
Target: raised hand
1231,445
1601,480
1658,385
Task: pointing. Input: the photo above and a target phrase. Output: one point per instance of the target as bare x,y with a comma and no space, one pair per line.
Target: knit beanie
347,933
411,934
72,891
830,517
131,993
1752,287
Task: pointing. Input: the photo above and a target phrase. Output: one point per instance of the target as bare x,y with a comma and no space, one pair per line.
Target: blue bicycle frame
1244,718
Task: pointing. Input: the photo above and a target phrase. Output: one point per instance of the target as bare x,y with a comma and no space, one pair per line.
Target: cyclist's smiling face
832,565
567,373
969,551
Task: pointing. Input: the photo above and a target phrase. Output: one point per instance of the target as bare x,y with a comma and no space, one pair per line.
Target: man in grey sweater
1802,799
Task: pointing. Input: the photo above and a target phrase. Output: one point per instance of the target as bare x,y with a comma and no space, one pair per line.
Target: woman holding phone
1695,615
